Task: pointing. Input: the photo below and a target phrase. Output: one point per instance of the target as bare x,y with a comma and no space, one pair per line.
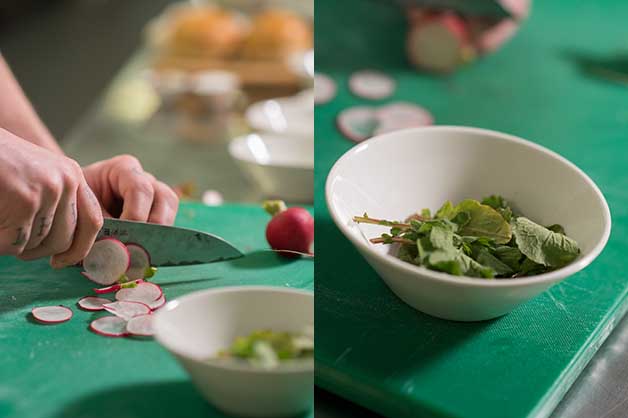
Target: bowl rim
299,367
255,107
436,276
264,137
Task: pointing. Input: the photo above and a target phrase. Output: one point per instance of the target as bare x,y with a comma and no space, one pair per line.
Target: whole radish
290,229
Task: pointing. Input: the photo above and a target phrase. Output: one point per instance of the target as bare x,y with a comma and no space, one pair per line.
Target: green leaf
530,268
489,260
500,205
510,256
543,246
472,268
446,261
446,211
426,214
442,236
484,222
557,228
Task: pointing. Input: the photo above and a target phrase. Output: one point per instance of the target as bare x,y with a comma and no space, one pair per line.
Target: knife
169,245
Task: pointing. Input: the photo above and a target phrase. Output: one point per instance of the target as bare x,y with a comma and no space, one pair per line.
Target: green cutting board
66,371
373,349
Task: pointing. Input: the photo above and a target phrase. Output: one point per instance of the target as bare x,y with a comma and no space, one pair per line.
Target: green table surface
66,371
378,352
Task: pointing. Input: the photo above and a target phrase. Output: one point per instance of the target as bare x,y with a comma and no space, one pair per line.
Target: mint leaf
446,211
557,228
442,236
510,256
543,246
500,205
472,268
484,222
489,260
426,214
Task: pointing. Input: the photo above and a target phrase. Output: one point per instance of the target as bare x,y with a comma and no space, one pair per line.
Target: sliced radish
116,287
158,303
140,262
144,292
401,115
52,314
324,88
141,325
127,310
440,43
109,326
107,261
92,303
357,123
371,84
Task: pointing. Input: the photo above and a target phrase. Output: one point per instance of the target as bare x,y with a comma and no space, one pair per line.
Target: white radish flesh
141,325
324,89
92,303
158,303
52,314
109,326
127,310
439,43
140,262
357,123
371,84
144,292
107,261
401,115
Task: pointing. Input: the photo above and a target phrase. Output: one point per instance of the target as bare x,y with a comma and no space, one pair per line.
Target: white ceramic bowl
292,116
282,167
394,175
195,327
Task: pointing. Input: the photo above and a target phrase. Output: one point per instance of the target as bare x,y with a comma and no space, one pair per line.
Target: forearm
18,116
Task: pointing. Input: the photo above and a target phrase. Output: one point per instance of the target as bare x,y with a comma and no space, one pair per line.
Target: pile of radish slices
123,269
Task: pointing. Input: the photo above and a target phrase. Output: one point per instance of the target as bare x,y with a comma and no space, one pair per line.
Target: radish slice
371,84
439,43
109,326
144,292
401,115
324,89
357,123
127,310
52,314
92,303
141,325
115,287
158,303
107,261
140,262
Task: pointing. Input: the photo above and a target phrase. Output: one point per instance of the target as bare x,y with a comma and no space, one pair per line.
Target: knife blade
169,245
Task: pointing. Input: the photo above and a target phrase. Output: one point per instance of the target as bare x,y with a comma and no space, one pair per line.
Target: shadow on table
146,400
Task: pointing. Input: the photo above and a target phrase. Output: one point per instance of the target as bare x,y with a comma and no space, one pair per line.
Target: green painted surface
66,371
376,351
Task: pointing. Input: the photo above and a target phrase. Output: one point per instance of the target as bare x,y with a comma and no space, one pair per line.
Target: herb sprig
474,238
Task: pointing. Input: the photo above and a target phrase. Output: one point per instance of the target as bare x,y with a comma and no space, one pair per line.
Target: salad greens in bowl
508,219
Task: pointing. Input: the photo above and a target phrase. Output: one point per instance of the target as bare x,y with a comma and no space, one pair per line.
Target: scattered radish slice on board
140,262
109,326
371,84
127,310
107,261
52,314
141,325
92,303
357,123
324,88
144,292
158,303
401,115
440,43
116,287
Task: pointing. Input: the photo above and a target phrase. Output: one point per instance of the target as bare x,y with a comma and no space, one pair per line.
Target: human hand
126,191
46,206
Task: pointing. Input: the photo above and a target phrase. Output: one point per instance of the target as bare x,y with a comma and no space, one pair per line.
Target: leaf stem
381,240
383,222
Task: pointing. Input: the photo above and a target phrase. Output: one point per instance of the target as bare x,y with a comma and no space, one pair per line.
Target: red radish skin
92,303
440,43
107,261
52,314
291,229
158,303
115,287
109,326
139,261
